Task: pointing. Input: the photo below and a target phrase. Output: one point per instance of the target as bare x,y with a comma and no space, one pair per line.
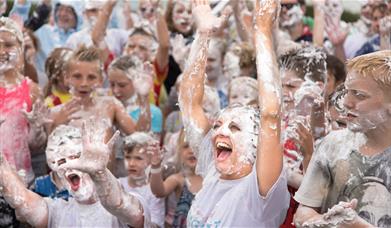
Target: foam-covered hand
385,25
156,153
179,49
38,116
204,18
96,152
143,80
335,33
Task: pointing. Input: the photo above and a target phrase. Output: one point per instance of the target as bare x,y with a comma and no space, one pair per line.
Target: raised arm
385,33
269,154
93,160
191,89
163,41
28,206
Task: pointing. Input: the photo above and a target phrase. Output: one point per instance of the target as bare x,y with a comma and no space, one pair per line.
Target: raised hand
385,25
96,153
335,33
143,79
39,115
156,153
204,18
180,50
66,113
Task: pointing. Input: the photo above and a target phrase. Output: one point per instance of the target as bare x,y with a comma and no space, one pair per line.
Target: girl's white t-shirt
237,203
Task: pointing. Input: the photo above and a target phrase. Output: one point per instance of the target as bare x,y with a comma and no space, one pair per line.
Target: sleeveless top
183,207
14,130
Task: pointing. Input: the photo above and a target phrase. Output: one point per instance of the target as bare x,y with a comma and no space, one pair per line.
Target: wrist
156,170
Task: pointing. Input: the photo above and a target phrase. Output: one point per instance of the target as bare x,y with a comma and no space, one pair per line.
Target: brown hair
308,62
55,66
376,65
169,21
337,68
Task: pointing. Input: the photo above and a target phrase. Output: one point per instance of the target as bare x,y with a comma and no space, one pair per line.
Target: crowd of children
194,113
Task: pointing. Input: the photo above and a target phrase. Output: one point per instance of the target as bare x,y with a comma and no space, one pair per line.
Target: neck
296,30
378,139
11,77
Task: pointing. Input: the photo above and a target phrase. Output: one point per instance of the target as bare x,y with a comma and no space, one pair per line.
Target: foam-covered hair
9,25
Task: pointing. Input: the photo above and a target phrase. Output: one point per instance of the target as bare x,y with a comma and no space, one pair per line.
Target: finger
113,139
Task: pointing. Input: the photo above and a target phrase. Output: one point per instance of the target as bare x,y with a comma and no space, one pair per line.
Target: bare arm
29,206
240,26
122,119
269,154
93,161
161,188
319,23
385,33
163,40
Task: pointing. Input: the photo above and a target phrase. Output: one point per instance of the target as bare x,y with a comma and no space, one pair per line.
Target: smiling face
140,46
290,84
366,103
83,77
121,86
66,18
181,17
291,13
10,52
235,138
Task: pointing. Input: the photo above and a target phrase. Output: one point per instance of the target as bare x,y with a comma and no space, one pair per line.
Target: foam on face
243,91
295,14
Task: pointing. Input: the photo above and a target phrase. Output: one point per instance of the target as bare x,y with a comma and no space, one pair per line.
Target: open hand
39,115
96,153
66,112
143,80
204,18
385,25
156,153
180,50
335,33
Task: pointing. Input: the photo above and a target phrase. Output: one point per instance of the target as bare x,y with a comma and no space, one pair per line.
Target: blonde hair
87,54
376,65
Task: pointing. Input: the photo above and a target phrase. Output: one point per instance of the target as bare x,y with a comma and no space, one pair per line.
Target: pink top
14,130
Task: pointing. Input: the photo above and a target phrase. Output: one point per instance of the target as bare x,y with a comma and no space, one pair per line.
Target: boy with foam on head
80,158
350,171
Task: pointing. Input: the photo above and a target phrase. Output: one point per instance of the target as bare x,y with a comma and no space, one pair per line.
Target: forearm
121,204
99,30
269,154
240,27
192,91
304,214
340,52
164,42
319,25
157,184
144,121
28,206
385,43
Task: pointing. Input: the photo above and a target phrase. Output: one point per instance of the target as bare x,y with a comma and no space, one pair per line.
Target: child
246,185
80,158
350,173
137,163
185,184
84,75
57,91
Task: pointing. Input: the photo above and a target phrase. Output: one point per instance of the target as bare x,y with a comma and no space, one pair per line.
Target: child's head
136,154
84,71
141,43
243,91
11,41
368,98
121,78
336,73
214,64
186,155
179,17
64,144
378,12
55,68
299,65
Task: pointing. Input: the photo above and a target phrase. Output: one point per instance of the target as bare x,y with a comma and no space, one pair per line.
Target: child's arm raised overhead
269,151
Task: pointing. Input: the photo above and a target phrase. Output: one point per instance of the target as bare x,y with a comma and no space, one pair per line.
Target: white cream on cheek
242,94
10,60
181,18
295,14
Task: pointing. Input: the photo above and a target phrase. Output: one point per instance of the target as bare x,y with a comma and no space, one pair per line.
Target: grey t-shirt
339,172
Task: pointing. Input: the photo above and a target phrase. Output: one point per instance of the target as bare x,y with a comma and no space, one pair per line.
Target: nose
348,102
83,82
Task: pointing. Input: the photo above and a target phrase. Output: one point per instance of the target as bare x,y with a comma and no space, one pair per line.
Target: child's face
181,17
83,77
136,161
290,84
121,86
10,52
187,156
366,103
139,45
243,94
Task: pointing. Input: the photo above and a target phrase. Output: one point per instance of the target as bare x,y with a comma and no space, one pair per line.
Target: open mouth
74,180
223,150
